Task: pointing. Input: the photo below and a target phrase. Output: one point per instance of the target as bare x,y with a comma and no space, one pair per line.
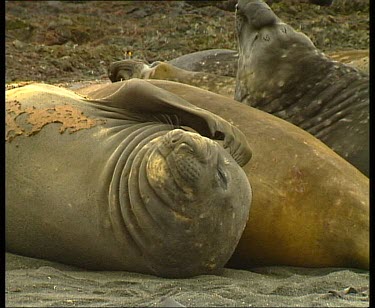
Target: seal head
266,49
192,200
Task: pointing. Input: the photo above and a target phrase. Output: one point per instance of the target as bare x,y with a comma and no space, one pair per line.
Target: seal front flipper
141,97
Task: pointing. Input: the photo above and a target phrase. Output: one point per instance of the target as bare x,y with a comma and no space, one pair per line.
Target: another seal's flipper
141,97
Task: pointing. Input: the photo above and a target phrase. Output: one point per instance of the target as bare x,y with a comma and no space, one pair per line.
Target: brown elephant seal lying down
310,207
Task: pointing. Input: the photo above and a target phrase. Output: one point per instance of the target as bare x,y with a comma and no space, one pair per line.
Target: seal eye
222,178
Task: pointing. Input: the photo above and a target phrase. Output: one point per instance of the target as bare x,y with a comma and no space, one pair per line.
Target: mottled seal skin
113,182
224,62
280,71
310,207
221,62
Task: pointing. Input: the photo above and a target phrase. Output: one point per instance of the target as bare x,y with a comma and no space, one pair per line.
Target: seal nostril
175,136
185,147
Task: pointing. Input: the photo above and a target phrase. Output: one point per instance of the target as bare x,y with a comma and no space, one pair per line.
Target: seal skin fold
132,191
280,71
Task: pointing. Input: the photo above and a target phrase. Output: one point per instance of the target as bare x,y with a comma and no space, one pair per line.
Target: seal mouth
255,13
256,22
186,154
252,16
186,168
181,141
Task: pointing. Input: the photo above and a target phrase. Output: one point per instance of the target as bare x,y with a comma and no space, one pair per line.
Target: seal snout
257,13
175,136
184,143
186,153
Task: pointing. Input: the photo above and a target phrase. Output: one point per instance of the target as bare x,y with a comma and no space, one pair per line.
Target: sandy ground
37,283
56,42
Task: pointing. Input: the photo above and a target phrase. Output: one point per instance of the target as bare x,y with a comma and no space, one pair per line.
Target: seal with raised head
118,182
310,207
280,71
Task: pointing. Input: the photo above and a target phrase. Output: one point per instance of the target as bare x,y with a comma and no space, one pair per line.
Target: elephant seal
216,74
280,71
127,69
310,207
114,183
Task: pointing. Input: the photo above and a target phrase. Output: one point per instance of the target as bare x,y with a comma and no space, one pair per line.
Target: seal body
310,207
111,184
224,62
221,62
281,72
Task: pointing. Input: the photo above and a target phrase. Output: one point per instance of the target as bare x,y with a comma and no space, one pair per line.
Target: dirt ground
60,41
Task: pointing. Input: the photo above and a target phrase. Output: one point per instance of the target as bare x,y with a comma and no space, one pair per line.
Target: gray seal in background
280,71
